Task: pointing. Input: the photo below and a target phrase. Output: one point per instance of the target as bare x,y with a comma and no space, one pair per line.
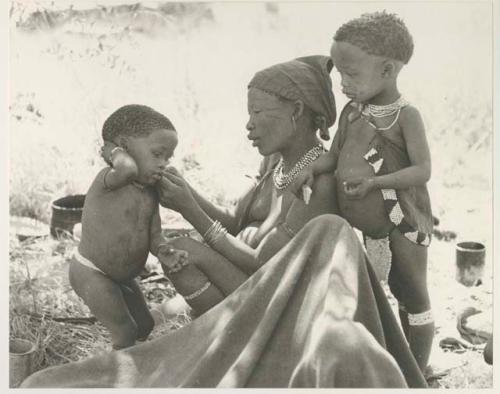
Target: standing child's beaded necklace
381,111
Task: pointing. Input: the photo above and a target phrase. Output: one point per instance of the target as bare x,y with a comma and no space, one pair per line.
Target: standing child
121,222
382,163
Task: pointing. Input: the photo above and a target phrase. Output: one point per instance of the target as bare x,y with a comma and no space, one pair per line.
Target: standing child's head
148,137
369,52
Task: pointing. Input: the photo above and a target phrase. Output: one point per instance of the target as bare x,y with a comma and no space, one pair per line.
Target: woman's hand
356,188
174,191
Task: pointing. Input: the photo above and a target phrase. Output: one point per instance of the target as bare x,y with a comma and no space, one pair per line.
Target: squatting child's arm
155,236
123,168
418,173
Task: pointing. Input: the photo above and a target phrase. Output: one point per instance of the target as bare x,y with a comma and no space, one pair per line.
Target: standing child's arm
418,173
123,168
325,163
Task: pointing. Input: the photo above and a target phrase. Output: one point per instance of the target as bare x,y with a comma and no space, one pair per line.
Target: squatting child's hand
356,188
301,186
171,260
106,151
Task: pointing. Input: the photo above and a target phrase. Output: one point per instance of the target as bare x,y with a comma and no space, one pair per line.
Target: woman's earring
294,124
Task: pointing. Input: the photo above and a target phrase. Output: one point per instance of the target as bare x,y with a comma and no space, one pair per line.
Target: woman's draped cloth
313,316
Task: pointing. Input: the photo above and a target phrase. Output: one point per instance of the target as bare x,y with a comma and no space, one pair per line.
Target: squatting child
121,222
382,163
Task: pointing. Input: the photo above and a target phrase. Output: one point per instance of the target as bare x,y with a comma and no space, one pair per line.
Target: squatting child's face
152,153
361,73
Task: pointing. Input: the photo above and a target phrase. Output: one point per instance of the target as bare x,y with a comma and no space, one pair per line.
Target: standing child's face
361,74
152,153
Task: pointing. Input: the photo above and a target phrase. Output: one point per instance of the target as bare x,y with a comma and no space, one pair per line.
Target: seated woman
312,314
287,103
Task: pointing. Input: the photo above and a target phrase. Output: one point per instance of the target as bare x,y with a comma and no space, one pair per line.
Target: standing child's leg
138,308
410,261
104,297
395,287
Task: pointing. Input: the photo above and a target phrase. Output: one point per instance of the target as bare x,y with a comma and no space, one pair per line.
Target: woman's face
270,124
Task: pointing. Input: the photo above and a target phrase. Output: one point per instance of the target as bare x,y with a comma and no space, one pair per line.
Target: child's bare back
116,228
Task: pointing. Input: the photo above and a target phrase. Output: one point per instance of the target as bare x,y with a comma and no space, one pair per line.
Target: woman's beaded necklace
381,111
282,180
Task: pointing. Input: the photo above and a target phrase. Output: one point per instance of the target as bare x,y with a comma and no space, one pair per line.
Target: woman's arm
227,216
236,251
176,194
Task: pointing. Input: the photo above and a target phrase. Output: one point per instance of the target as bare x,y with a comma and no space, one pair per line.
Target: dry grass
45,310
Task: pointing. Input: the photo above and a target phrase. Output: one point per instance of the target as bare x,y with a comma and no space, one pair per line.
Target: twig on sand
73,320
435,375
59,355
154,278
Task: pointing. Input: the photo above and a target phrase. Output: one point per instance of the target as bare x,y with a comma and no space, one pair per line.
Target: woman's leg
134,298
410,261
105,300
207,278
220,271
194,286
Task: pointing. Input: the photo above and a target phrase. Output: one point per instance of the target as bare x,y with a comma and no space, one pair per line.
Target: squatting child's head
147,135
369,52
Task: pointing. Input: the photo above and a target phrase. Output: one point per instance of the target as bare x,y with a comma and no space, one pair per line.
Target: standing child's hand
301,186
356,188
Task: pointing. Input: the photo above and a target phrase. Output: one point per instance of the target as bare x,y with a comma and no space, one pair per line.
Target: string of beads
382,111
282,180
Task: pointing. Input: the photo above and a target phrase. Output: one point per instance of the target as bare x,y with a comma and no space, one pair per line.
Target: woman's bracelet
214,233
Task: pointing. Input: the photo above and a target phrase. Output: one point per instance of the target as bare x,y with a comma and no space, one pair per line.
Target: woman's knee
189,245
123,333
328,221
145,326
183,243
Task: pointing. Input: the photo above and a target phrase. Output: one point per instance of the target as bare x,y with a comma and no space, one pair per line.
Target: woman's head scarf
306,79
